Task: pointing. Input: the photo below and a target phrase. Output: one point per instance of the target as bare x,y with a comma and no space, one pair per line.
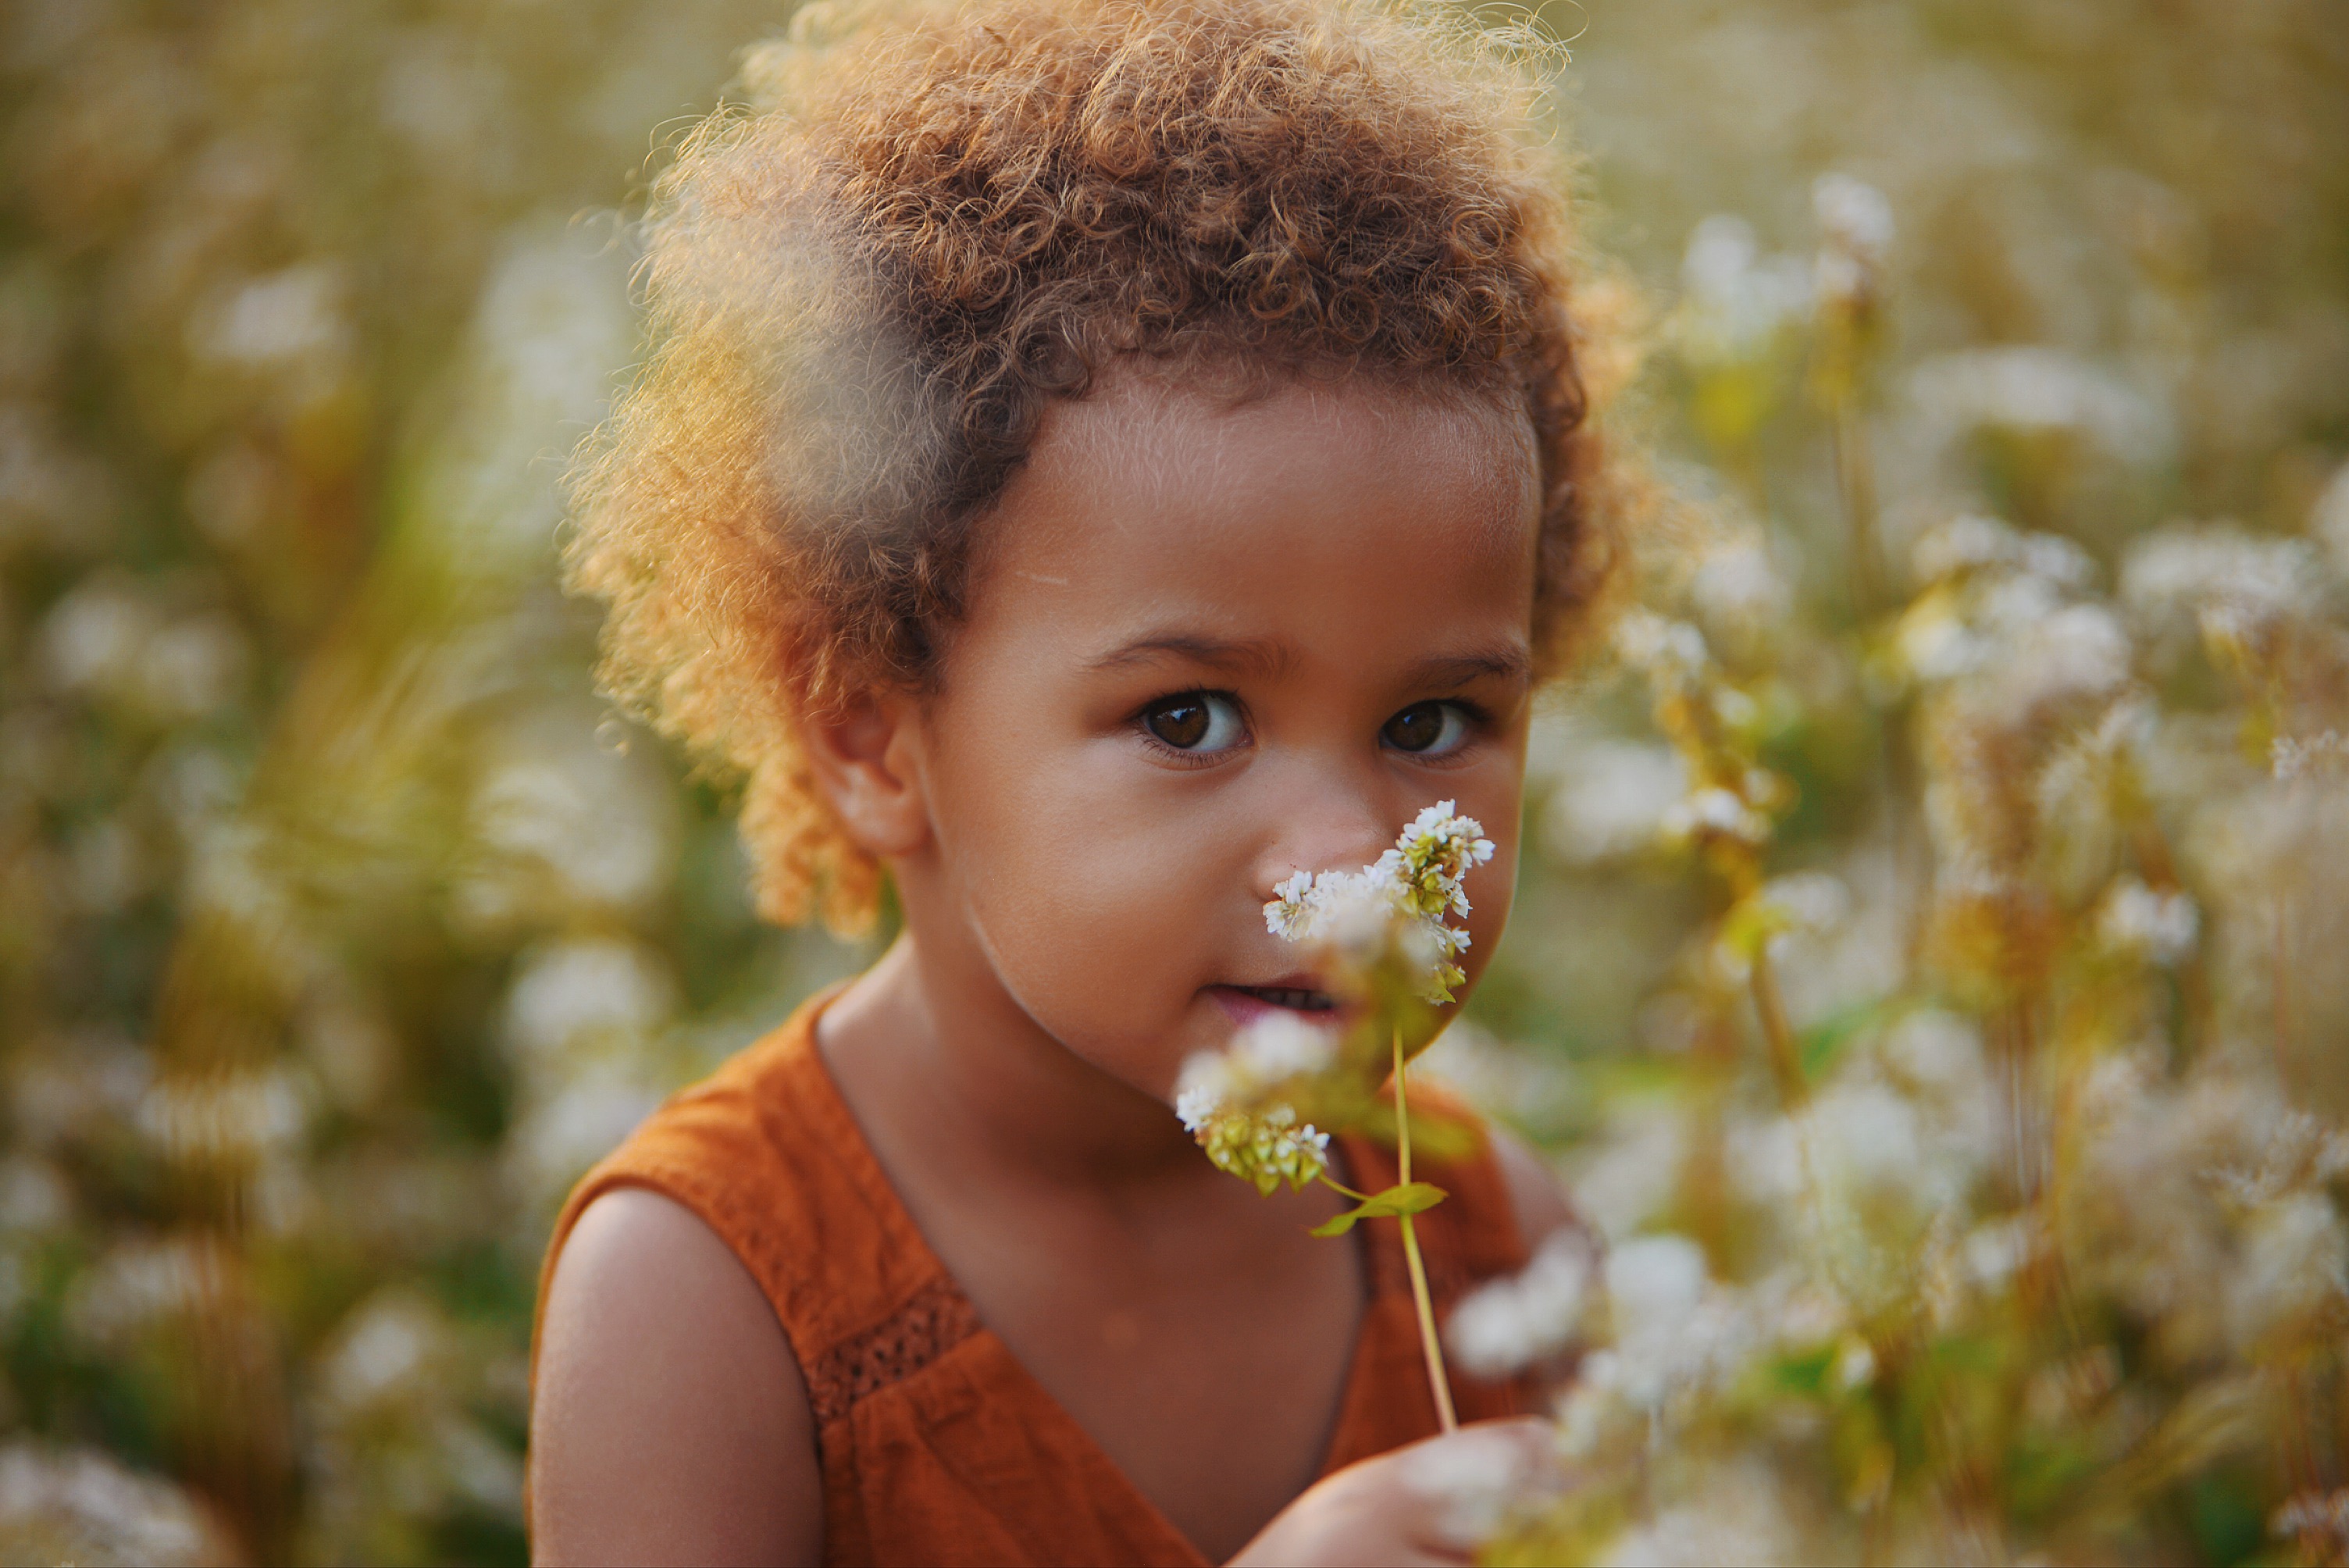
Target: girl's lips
1247,1004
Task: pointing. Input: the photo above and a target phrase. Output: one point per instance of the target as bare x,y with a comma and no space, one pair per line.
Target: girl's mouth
1246,1003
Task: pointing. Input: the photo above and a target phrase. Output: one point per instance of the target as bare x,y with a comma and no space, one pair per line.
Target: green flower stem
1786,1053
1436,1382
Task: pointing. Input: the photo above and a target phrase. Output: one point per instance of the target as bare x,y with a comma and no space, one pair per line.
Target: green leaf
1411,1198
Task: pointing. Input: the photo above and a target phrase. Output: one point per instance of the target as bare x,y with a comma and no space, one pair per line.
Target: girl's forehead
1152,460
1336,514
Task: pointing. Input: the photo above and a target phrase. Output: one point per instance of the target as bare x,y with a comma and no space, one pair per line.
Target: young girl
1097,460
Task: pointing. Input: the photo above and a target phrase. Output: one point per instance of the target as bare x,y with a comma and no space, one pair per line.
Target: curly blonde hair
864,291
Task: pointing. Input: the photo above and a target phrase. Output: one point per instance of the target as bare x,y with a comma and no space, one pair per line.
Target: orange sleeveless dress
935,1445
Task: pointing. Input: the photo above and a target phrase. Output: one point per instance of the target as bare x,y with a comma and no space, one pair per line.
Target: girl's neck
929,1045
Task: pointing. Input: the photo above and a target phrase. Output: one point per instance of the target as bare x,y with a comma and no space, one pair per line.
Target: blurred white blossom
1737,302
2137,919
1613,799
1513,1323
2228,580
70,1505
2034,389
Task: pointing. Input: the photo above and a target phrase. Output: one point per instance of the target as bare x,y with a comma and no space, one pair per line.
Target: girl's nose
1328,828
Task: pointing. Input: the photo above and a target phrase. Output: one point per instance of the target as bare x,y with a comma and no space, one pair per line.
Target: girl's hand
1432,1503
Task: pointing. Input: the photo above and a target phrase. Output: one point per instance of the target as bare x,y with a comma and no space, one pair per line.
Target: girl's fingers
1435,1503
1468,1481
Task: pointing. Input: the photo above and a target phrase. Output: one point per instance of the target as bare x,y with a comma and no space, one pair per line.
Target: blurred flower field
1928,970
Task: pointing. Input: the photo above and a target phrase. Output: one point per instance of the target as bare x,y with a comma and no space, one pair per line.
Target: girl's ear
866,758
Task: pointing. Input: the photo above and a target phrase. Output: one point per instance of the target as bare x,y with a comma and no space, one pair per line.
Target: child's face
1211,643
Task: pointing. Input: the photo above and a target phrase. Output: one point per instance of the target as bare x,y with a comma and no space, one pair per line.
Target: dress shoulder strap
766,1153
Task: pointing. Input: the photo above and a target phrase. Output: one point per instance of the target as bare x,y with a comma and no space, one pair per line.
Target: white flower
1972,542
385,1347
1853,214
2229,579
1276,1050
1807,901
1236,1101
2137,919
2032,388
1478,1477
1265,1149
1940,1056
1432,859
1612,798
1656,1280
1513,1323
232,1117
80,1505
1661,648
1739,1518
1402,897
584,992
1856,1146
1715,810
1857,221
1282,1044
1736,587
2294,1263
2290,757
1966,542
2315,1514
2079,651
1736,304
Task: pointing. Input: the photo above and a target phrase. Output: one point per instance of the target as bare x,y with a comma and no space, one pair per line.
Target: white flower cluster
1511,1323
2030,388
1678,1334
2317,1513
1856,224
1266,1149
67,1505
1407,891
1237,1102
1611,799
2000,632
1738,305
2138,919
1737,590
1972,542
1241,1103
2291,759
1806,901
1276,1050
1715,810
2239,589
1661,648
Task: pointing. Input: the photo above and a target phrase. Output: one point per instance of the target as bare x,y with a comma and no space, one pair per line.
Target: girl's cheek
1106,925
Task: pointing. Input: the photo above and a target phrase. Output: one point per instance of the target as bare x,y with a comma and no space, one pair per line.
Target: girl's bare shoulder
669,1422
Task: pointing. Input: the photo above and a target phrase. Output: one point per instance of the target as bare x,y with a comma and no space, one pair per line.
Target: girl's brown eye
1427,729
1196,721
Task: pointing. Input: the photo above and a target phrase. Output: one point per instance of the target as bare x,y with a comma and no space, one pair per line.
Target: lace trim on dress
936,1319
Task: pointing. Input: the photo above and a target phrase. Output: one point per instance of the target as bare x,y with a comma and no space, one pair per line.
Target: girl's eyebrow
1271,656
1505,660
1266,656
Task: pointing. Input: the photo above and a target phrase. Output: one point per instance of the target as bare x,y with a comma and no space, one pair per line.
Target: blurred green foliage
340,926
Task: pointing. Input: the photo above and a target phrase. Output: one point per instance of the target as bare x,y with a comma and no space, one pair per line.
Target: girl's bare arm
669,1423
